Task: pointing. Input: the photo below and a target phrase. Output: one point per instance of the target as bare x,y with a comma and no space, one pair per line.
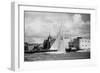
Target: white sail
55,44
59,43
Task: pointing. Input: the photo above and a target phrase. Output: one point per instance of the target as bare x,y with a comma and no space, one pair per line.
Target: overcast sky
41,24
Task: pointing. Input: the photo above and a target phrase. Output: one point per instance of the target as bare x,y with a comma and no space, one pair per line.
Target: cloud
40,24
81,26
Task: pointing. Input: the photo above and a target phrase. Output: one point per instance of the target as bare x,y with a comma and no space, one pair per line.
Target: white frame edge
14,36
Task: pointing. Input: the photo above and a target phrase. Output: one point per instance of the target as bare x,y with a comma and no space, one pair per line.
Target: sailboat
59,42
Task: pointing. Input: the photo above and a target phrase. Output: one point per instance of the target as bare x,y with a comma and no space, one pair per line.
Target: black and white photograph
56,36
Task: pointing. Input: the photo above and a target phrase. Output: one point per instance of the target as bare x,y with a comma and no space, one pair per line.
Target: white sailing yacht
59,42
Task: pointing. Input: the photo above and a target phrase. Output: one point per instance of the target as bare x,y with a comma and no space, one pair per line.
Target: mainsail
59,43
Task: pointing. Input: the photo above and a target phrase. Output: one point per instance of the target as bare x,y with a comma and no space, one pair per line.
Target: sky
41,24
